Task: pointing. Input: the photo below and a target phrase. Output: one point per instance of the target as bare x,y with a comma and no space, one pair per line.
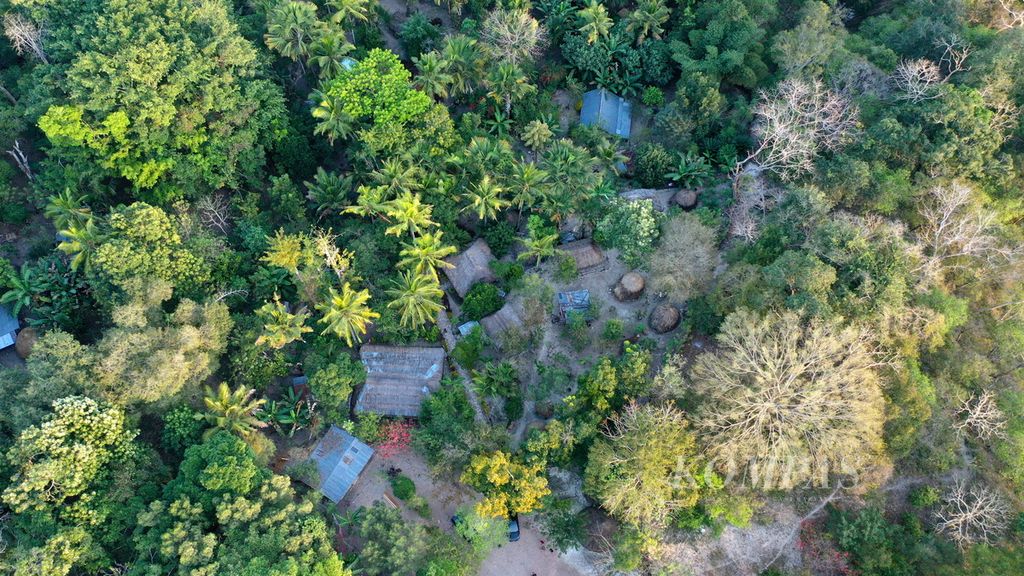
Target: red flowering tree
396,437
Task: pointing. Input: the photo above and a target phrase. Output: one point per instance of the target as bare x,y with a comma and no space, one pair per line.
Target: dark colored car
513,527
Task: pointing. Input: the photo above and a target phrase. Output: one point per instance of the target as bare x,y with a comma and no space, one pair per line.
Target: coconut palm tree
408,214
281,327
647,19
528,185
351,10
464,62
426,254
81,240
290,27
485,199
507,83
67,208
417,297
329,191
539,247
369,202
433,78
595,21
328,50
346,315
231,410
609,156
397,176
334,122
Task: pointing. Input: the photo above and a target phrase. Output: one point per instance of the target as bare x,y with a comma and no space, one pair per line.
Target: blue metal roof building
607,111
8,328
339,457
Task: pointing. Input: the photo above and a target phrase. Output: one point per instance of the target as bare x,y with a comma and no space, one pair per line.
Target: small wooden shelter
472,265
398,378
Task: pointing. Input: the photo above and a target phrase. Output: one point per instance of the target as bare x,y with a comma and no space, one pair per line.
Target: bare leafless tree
917,80
796,121
788,403
958,233
980,416
513,36
215,213
25,36
971,515
1011,14
21,159
955,52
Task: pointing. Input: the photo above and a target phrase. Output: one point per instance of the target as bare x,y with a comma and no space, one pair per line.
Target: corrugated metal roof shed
339,457
471,266
607,111
576,301
398,378
8,328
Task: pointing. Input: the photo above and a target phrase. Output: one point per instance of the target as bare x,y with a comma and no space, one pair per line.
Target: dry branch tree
796,121
973,515
788,403
980,415
685,260
959,234
1011,14
513,36
25,36
917,80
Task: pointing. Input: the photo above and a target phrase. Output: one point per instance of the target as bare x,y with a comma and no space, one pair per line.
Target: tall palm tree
329,191
426,254
290,27
397,176
351,10
507,83
596,22
528,185
347,315
409,215
647,19
328,50
433,78
80,243
464,61
417,297
334,121
66,208
281,327
539,247
369,202
231,410
485,199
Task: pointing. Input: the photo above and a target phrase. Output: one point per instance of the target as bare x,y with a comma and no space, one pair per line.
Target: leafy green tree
346,315
143,242
392,545
417,297
231,410
281,327
806,48
639,469
484,533
725,41
137,94
630,226
594,21
333,384
509,486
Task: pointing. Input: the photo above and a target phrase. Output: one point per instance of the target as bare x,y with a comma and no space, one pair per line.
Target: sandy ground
526,557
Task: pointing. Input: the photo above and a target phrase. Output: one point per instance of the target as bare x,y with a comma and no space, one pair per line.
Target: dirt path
448,333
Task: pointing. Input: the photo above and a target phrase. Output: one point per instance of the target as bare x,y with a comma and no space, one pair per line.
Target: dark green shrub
924,496
418,35
653,162
469,348
613,330
403,487
482,300
653,96
181,429
509,273
500,237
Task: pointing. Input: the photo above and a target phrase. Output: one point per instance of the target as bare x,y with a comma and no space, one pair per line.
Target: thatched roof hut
502,322
471,266
398,378
587,255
